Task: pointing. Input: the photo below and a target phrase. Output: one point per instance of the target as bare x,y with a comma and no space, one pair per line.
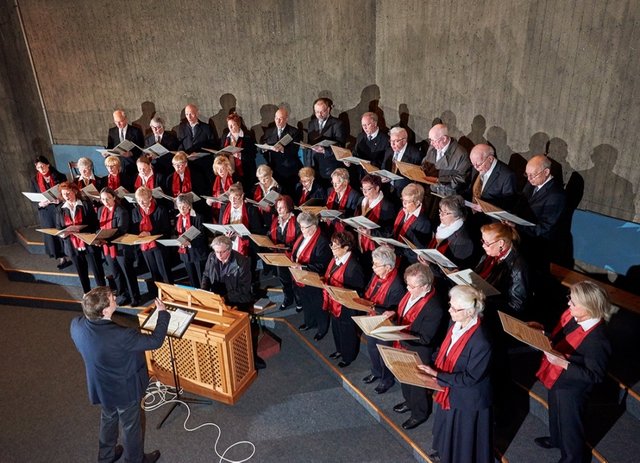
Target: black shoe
304,327
335,355
401,408
344,364
382,388
298,308
135,302
151,457
435,456
544,442
412,423
319,336
63,265
259,364
122,300
118,453
285,305
369,379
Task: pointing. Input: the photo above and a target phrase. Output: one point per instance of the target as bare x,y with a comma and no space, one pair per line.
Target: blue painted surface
605,242
63,154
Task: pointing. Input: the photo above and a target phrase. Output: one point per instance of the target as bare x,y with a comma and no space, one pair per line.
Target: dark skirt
463,435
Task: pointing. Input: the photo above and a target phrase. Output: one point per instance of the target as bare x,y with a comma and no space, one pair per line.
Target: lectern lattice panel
183,350
241,356
161,356
210,369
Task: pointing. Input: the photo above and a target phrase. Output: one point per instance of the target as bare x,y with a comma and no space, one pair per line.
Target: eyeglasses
376,265
435,140
454,310
396,140
335,245
304,227
570,301
532,176
484,243
477,166
443,212
413,286
367,190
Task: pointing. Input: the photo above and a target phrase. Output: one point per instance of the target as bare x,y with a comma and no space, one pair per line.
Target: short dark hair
344,238
95,301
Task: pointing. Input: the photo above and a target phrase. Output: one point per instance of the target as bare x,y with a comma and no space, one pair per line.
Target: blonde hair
593,298
180,156
112,161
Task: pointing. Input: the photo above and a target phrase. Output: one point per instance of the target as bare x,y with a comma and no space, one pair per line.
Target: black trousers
345,334
85,261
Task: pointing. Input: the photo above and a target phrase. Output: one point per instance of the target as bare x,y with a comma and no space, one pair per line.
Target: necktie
477,187
321,125
158,139
439,156
396,157
121,135
370,137
193,131
279,134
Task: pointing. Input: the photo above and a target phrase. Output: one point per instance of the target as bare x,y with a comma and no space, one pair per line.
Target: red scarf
237,161
258,194
289,230
334,276
442,247
183,186
76,220
303,197
44,180
409,317
304,257
146,225
333,196
487,265
113,182
217,190
548,374
150,183
183,228
243,243
378,287
106,222
81,183
446,363
367,244
400,226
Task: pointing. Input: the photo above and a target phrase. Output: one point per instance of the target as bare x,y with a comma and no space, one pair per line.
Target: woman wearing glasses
581,339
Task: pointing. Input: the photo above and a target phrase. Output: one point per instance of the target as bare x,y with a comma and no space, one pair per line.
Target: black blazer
199,249
170,141
234,285
396,292
499,190
469,382
544,208
114,358
122,222
134,134
462,249
317,192
372,150
427,327
320,256
159,221
419,233
202,137
411,155
199,184
326,163
353,202
286,164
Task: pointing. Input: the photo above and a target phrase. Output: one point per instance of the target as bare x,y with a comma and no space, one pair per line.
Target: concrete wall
522,73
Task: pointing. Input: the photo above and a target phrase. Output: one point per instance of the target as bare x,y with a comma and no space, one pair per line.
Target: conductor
117,375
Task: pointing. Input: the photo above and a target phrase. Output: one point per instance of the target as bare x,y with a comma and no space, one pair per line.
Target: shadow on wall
369,102
148,109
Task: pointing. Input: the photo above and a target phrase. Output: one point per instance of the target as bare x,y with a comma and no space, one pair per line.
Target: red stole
446,363
183,186
548,374
304,257
414,311
442,247
400,226
106,222
367,244
183,228
333,196
334,276
378,288
303,197
218,189
146,225
237,161
113,182
150,183
81,183
44,180
76,220
243,243
487,265
289,230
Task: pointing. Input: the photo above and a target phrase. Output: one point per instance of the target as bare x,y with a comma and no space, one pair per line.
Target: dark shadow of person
476,136
605,192
267,114
369,102
449,119
41,147
218,121
404,118
148,109
518,161
497,137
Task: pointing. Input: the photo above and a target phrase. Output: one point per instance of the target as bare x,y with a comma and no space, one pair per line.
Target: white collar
344,258
588,324
445,231
374,203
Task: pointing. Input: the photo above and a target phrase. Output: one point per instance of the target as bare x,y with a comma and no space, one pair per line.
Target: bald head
439,136
281,118
481,157
191,113
538,169
120,118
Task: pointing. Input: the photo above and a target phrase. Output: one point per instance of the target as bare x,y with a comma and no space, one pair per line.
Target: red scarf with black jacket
366,243
146,225
409,317
183,223
183,186
400,226
243,243
334,276
106,222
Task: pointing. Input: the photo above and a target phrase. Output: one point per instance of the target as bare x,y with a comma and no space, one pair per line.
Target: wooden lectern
214,358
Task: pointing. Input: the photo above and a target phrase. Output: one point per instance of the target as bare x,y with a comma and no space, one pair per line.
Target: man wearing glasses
492,180
167,139
447,160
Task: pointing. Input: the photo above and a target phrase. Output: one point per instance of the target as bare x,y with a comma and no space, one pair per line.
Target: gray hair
185,198
455,205
157,120
468,298
221,240
420,271
306,219
385,255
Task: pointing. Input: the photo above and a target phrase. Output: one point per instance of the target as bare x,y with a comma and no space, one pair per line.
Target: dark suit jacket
193,143
114,358
320,257
287,164
412,155
326,163
170,141
371,150
199,184
159,221
234,284
419,233
396,292
353,201
317,192
199,246
462,249
134,134
511,278
427,327
500,188
469,382
122,222
454,169
544,208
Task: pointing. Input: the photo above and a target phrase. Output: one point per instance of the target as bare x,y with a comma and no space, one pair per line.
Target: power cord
158,395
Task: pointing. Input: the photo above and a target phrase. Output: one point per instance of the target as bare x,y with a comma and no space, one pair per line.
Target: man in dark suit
399,150
325,127
116,370
167,139
283,160
492,180
125,131
447,160
193,136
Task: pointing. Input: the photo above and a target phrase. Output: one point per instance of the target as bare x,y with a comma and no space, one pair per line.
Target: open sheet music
268,201
389,241
50,195
62,233
265,242
178,323
284,141
499,214
533,337
91,192
156,150
236,228
306,277
361,222
348,298
276,259
320,144
184,239
415,173
223,198
92,238
380,327
436,257
404,366
133,240
227,149
471,278
123,147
